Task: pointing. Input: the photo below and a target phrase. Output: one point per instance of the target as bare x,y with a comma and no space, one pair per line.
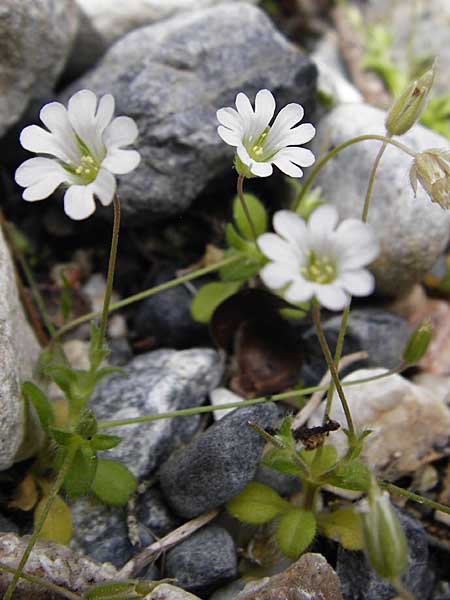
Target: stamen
320,269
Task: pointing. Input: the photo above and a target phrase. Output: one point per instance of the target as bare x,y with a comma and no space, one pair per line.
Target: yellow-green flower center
320,269
256,150
87,169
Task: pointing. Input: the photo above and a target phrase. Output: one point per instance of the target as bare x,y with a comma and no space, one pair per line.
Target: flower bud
383,538
418,342
432,169
406,110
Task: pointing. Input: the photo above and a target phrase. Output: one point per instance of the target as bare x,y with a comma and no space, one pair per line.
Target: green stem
37,529
321,163
365,213
240,191
401,589
309,495
146,294
43,583
111,269
327,354
206,409
337,358
394,489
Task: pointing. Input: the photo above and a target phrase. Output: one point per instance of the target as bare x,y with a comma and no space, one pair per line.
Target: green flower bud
383,538
432,169
87,425
406,110
418,342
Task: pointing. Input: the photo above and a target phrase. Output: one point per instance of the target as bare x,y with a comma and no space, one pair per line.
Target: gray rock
19,351
359,582
172,77
218,463
204,561
36,38
156,382
170,592
154,515
7,526
310,578
380,333
429,22
412,231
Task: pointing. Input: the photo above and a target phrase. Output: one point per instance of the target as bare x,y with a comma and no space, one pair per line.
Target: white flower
259,145
85,144
316,259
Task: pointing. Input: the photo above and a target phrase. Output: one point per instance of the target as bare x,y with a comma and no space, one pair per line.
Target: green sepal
209,296
113,482
257,504
295,532
41,403
104,441
257,214
81,473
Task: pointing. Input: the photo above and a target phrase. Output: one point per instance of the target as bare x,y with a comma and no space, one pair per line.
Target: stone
427,21
153,513
221,396
309,578
36,39
401,222
19,351
380,333
166,316
156,382
53,562
204,561
112,20
170,592
408,423
218,463
172,77
358,580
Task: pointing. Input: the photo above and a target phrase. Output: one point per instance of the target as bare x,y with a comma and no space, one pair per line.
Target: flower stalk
240,191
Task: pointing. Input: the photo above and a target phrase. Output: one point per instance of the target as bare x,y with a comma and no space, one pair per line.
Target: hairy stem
394,489
111,268
322,162
373,172
51,496
337,358
240,191
331,366
146,294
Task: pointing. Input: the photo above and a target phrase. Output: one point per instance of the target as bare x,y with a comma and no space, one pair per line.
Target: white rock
407,422
221,396
113,19
19,351
169,592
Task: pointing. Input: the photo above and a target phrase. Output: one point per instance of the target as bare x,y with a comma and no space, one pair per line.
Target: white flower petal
299,135
287,167
36,139
81,110
299,291
104,186
331,296
79,202
121,161
357,244
105,112
36,169
55,118
229,137
264,107
278,250
299,156
230,118
323,220
286,118
120,132
275,275
244,107
359,282
291,227
261,169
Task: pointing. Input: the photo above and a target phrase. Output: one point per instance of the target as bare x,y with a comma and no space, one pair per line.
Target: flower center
256,150
320,269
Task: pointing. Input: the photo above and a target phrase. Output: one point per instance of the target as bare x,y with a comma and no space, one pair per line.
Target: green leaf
295,532
324,459
343,526
351,475
61,436
41,403
104,441
257,214
257,504
249,265
65,377
209,296
58,524
113,482
234,240
280,459
81,473
285,434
